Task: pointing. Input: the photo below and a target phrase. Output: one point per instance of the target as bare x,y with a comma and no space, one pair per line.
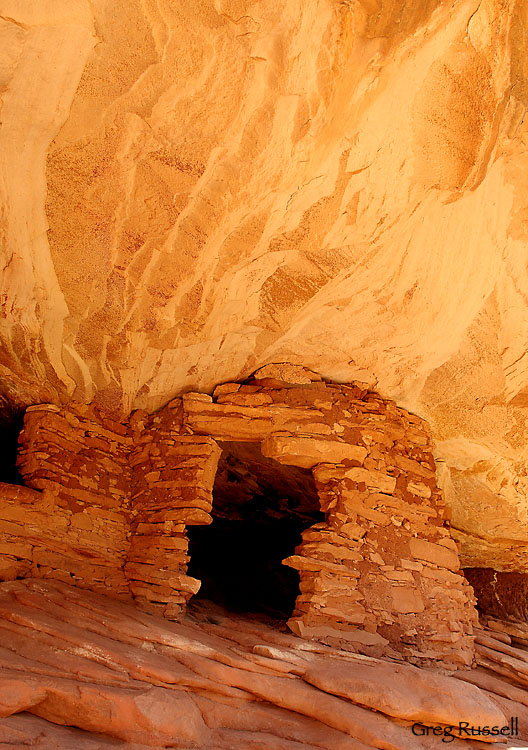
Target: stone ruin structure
107,506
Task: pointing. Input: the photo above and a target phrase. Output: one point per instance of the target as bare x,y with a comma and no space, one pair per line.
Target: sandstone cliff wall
193,190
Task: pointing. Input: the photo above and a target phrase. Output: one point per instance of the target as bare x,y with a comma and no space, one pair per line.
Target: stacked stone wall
381,573
172,480
110,503
389,564
76,525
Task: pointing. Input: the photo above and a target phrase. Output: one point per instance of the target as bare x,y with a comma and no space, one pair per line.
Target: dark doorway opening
500,594
260,508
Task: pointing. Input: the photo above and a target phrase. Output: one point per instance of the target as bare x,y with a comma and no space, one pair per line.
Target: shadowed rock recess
263,325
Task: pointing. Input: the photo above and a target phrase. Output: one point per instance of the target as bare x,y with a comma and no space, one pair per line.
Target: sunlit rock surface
193,190
95,671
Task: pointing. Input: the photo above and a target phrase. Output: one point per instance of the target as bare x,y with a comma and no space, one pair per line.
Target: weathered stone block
434,553
406,600
307,452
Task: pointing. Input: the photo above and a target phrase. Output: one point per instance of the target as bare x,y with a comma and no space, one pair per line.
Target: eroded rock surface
94,670
193,191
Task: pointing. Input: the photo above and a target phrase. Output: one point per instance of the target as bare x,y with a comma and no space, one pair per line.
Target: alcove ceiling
193,190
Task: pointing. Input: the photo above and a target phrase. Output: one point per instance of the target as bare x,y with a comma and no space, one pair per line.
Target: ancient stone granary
107,505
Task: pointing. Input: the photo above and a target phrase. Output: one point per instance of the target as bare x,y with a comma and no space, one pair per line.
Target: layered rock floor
81,670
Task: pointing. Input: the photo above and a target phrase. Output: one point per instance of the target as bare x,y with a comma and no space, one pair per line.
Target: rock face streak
192,191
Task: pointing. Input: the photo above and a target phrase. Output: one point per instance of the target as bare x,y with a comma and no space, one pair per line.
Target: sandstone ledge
80,659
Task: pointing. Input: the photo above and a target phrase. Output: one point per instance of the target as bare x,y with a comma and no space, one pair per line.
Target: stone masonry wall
109,503
380,574
387,561
77,525
172,480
